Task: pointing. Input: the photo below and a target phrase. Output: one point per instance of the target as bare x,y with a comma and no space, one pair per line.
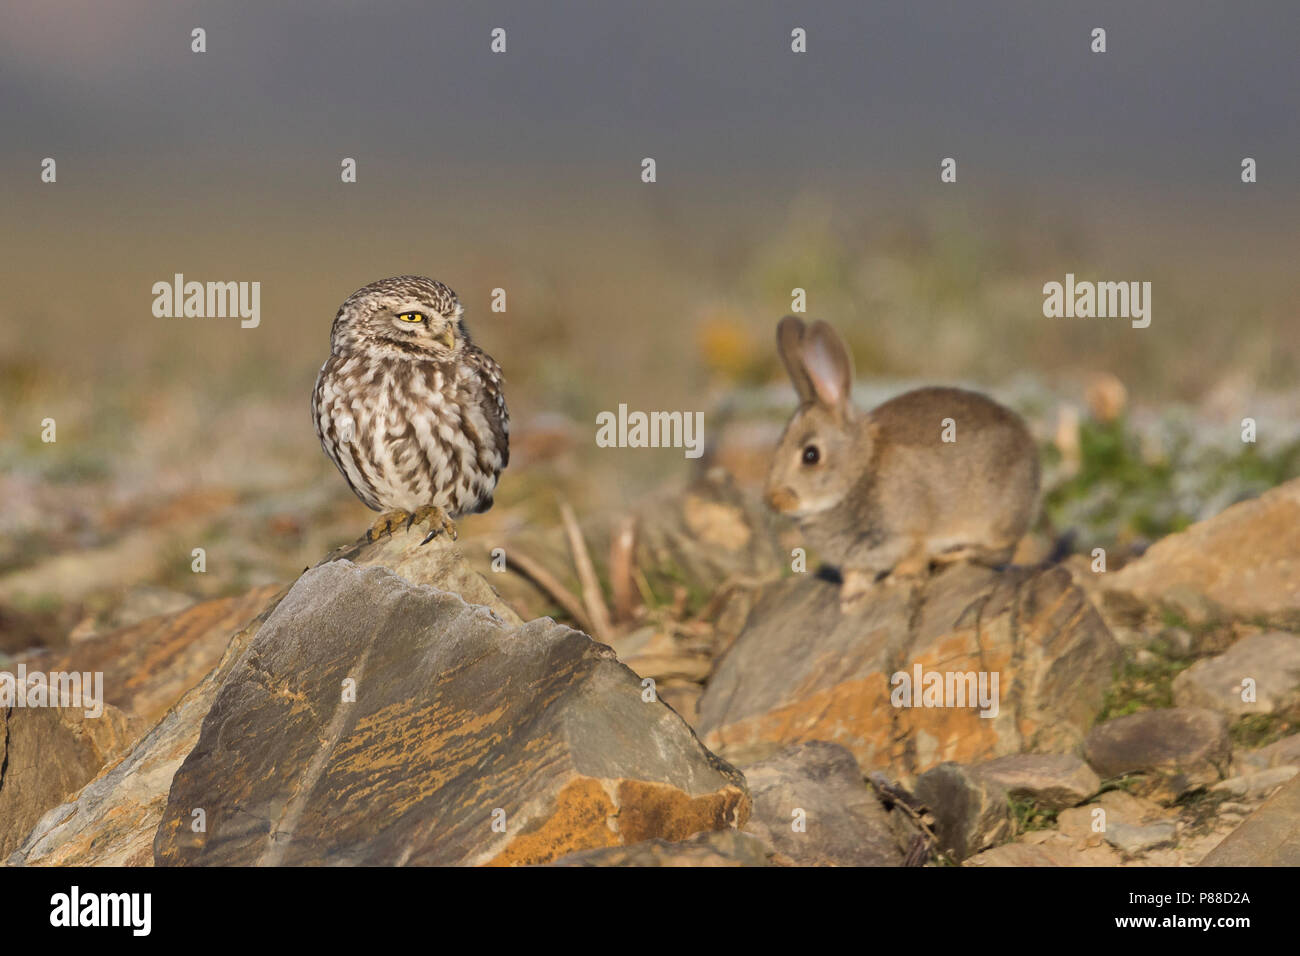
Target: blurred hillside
175,434
520,171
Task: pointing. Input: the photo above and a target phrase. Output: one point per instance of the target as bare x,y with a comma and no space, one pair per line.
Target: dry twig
561,595
592,598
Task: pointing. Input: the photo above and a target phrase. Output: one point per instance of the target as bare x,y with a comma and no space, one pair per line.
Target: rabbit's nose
782,500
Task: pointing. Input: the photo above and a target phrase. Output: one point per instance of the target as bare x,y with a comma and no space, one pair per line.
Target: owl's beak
446,337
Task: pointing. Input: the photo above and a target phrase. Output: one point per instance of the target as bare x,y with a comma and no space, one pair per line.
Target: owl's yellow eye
411,316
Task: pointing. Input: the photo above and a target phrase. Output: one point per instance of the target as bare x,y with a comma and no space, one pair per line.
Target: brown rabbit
882,491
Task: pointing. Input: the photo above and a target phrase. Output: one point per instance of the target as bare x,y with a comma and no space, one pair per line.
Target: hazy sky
1009,87
522,169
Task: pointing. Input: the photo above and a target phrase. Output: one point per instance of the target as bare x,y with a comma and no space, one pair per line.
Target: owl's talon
386,524
437,519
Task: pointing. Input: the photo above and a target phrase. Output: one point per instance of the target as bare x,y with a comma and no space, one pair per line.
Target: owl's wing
492,402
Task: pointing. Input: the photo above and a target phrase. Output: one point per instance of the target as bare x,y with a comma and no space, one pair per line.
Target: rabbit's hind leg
914,563
995,557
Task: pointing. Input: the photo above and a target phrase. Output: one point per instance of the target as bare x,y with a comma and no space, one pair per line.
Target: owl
409,409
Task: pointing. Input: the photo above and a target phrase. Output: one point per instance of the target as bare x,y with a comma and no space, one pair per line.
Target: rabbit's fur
883,492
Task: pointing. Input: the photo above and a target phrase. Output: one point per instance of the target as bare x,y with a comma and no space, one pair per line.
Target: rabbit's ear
828,365
789,343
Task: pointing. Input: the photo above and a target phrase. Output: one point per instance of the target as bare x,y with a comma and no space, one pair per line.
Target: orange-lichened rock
390,708
1244,562
375,721
806,668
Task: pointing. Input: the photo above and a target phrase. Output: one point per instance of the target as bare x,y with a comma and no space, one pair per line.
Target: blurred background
521,171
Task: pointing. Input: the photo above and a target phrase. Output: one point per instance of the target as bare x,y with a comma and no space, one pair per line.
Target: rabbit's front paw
857,584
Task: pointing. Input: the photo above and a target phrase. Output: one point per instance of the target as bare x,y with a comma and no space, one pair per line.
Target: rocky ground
403,704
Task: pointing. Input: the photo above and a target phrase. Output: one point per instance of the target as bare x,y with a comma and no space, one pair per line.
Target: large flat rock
805,669
112,820
471,740
1177,748
1269,837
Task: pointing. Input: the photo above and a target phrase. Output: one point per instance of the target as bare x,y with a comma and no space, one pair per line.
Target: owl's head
405,317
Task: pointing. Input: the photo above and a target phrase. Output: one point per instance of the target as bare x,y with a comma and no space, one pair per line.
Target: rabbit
881,493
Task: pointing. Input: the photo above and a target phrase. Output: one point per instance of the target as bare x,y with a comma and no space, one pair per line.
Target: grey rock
46,755
1269,837
806,668
1134,839
844,822
1054,781
1256,784
1280,753
1180,748
461,720
971,813
1271,660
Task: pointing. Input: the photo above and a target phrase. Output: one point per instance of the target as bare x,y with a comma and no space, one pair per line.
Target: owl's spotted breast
409,434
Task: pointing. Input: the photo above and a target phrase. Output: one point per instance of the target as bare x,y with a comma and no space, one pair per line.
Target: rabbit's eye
811,455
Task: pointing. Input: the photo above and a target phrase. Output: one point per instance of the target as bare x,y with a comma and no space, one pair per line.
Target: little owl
409,409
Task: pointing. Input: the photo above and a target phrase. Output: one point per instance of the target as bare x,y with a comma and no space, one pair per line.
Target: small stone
812,806
1129,808
1131,839
1284,752
1181,748
1176,642
1256,784
1270,662
970,812
1054,781
1114,806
